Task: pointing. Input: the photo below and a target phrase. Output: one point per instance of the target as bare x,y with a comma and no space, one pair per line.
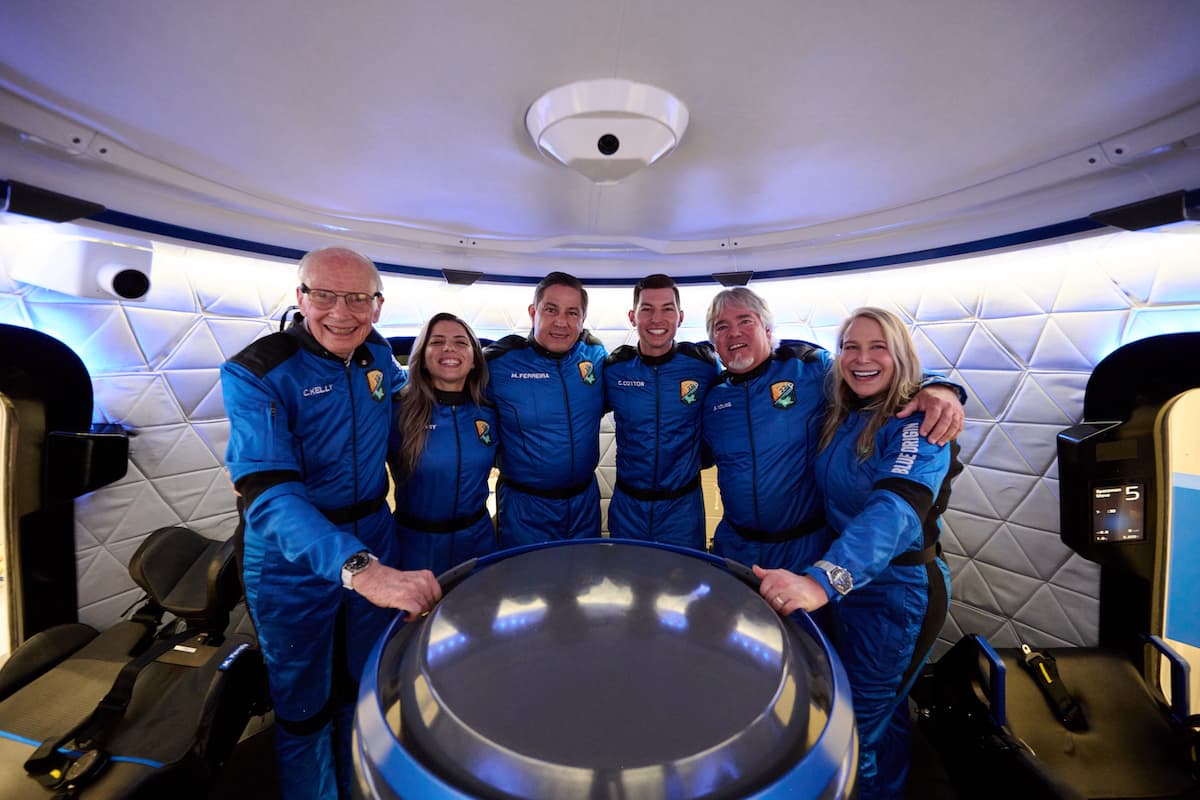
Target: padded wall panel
232,286
964,533
197,391
145,397
159,332
1021,329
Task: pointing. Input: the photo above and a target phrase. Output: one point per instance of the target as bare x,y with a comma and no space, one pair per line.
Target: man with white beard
762,422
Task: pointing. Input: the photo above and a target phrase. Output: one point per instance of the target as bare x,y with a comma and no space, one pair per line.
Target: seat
187,705
1000,736
1095,721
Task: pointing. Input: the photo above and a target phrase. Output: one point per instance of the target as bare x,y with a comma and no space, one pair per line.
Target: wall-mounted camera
124,281
103,266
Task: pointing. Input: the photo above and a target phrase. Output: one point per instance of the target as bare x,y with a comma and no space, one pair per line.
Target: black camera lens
131,283
608,144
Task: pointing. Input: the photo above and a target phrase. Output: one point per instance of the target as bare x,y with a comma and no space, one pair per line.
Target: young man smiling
656,392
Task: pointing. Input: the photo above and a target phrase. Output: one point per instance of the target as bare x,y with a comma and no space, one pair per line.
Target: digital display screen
1118,512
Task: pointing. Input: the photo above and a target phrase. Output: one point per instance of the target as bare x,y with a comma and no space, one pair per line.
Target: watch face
839,578
356,563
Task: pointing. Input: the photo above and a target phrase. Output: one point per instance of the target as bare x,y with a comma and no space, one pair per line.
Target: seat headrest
189,575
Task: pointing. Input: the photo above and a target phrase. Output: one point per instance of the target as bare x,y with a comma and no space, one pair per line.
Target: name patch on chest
313,391
631,383
723,406
530,376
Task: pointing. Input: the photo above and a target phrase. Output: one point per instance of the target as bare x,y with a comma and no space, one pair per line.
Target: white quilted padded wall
1021,330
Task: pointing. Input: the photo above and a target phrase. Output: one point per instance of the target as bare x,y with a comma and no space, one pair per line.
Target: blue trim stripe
233,656
145,762
18,738
1043,233
157,228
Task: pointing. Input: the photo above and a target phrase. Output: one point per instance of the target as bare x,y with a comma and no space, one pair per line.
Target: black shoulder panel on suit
625,352
267,353
254,484
591,338
797,348
700,352
514,341
911,492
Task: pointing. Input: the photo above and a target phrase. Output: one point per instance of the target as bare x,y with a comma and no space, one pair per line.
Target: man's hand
787,592
414,591
943,413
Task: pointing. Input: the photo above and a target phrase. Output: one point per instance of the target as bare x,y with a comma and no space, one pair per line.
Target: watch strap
839,577
354,565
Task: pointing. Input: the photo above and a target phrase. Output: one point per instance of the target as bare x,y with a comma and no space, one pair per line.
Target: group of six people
832,470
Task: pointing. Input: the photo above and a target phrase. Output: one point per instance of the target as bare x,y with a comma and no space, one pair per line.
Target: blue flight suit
307,448
549,407
885,510
657,402
762,427
441,509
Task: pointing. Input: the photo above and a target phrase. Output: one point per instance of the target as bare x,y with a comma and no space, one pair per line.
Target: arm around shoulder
942,406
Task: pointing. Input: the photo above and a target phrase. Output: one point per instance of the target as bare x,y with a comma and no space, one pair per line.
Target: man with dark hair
309,411
656,392
762,421
549,394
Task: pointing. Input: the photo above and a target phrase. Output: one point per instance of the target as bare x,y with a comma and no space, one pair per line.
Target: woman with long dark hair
442,448
884,487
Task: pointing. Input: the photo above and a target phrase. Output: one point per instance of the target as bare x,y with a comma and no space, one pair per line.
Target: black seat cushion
1129,749
181,723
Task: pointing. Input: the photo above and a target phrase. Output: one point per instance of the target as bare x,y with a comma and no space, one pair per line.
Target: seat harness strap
67,770
1043,668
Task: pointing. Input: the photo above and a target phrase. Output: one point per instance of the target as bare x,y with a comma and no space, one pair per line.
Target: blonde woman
884,487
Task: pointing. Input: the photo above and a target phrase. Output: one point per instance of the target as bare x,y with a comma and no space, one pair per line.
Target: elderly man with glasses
309,412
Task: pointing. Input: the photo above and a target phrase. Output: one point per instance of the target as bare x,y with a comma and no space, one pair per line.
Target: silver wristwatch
354,565
839,577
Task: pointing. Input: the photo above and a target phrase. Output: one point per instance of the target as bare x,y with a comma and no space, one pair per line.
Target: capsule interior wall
1020,329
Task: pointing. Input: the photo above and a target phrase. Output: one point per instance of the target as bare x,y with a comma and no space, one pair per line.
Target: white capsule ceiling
817,133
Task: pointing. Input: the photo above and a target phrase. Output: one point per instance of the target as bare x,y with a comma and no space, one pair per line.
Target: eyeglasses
325,300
